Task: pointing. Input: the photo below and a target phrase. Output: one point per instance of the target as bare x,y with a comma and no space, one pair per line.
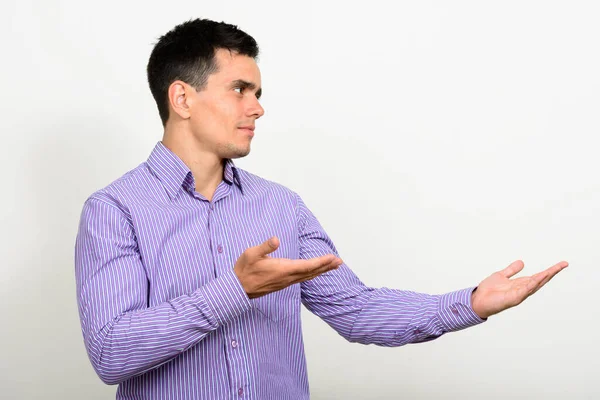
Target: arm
386,317
123,336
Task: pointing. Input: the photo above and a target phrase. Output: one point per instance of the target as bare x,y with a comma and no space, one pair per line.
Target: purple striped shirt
164,316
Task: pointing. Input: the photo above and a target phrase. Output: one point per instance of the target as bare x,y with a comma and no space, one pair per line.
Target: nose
255,109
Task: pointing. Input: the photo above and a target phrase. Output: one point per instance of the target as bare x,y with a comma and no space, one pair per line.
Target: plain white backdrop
436,142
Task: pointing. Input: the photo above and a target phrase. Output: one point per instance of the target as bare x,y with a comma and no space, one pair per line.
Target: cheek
231,111
217,118
226,113
209,117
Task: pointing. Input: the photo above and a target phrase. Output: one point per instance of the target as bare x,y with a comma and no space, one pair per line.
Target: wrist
475,304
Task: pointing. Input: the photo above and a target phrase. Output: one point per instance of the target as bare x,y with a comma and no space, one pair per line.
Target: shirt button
220,249
234,343
240,392
454,310
417,331
211,206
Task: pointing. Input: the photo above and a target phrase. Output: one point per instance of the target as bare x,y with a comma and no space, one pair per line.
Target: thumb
266,247
513,268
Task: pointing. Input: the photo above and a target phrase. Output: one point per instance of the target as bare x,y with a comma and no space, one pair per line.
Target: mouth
249,130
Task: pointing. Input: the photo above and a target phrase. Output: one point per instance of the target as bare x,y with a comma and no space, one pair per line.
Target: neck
207,168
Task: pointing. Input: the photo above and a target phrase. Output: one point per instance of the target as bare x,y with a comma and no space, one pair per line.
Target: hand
498,293
260,274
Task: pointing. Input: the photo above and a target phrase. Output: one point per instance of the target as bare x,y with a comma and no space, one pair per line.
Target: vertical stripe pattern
164,316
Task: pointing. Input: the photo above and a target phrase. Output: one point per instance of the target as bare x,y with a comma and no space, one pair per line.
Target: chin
241,154
233,151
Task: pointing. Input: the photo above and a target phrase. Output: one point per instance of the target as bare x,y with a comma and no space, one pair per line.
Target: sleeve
385,317
123,336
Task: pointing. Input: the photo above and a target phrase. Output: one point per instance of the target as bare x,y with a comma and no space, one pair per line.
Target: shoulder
128,186
257,185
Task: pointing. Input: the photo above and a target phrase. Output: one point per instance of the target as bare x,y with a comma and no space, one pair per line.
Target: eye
240,90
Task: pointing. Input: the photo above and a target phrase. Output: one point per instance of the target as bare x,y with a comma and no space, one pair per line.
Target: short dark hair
187,53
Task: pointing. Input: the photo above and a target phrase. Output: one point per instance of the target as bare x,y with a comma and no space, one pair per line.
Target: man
190,271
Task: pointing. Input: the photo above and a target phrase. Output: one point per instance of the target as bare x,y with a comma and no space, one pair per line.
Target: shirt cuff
456,311
226,298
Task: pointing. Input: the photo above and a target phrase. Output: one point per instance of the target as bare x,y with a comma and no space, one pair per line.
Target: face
224,113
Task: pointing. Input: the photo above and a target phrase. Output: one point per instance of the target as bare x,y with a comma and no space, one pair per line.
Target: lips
248,129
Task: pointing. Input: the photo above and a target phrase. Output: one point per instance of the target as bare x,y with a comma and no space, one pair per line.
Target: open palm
498,292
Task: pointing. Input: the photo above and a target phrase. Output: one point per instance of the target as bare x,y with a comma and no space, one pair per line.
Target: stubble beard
231,150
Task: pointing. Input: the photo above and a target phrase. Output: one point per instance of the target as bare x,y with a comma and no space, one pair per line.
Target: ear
179,99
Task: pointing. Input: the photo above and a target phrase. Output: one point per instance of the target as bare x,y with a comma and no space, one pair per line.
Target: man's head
204,78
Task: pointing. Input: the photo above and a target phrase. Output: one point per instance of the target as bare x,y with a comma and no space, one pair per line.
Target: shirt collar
175,175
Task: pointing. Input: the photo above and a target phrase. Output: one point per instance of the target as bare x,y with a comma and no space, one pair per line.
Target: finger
313,265
263,249
549,274
316,273
304,267
556,268
542,283
536,280
513,269
326,268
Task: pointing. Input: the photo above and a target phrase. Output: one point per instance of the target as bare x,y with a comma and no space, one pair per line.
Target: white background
436,142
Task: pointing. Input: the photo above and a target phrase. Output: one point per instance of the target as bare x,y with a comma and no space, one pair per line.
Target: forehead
234,66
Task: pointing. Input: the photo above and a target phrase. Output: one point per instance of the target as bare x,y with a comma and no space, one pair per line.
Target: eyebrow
246,85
